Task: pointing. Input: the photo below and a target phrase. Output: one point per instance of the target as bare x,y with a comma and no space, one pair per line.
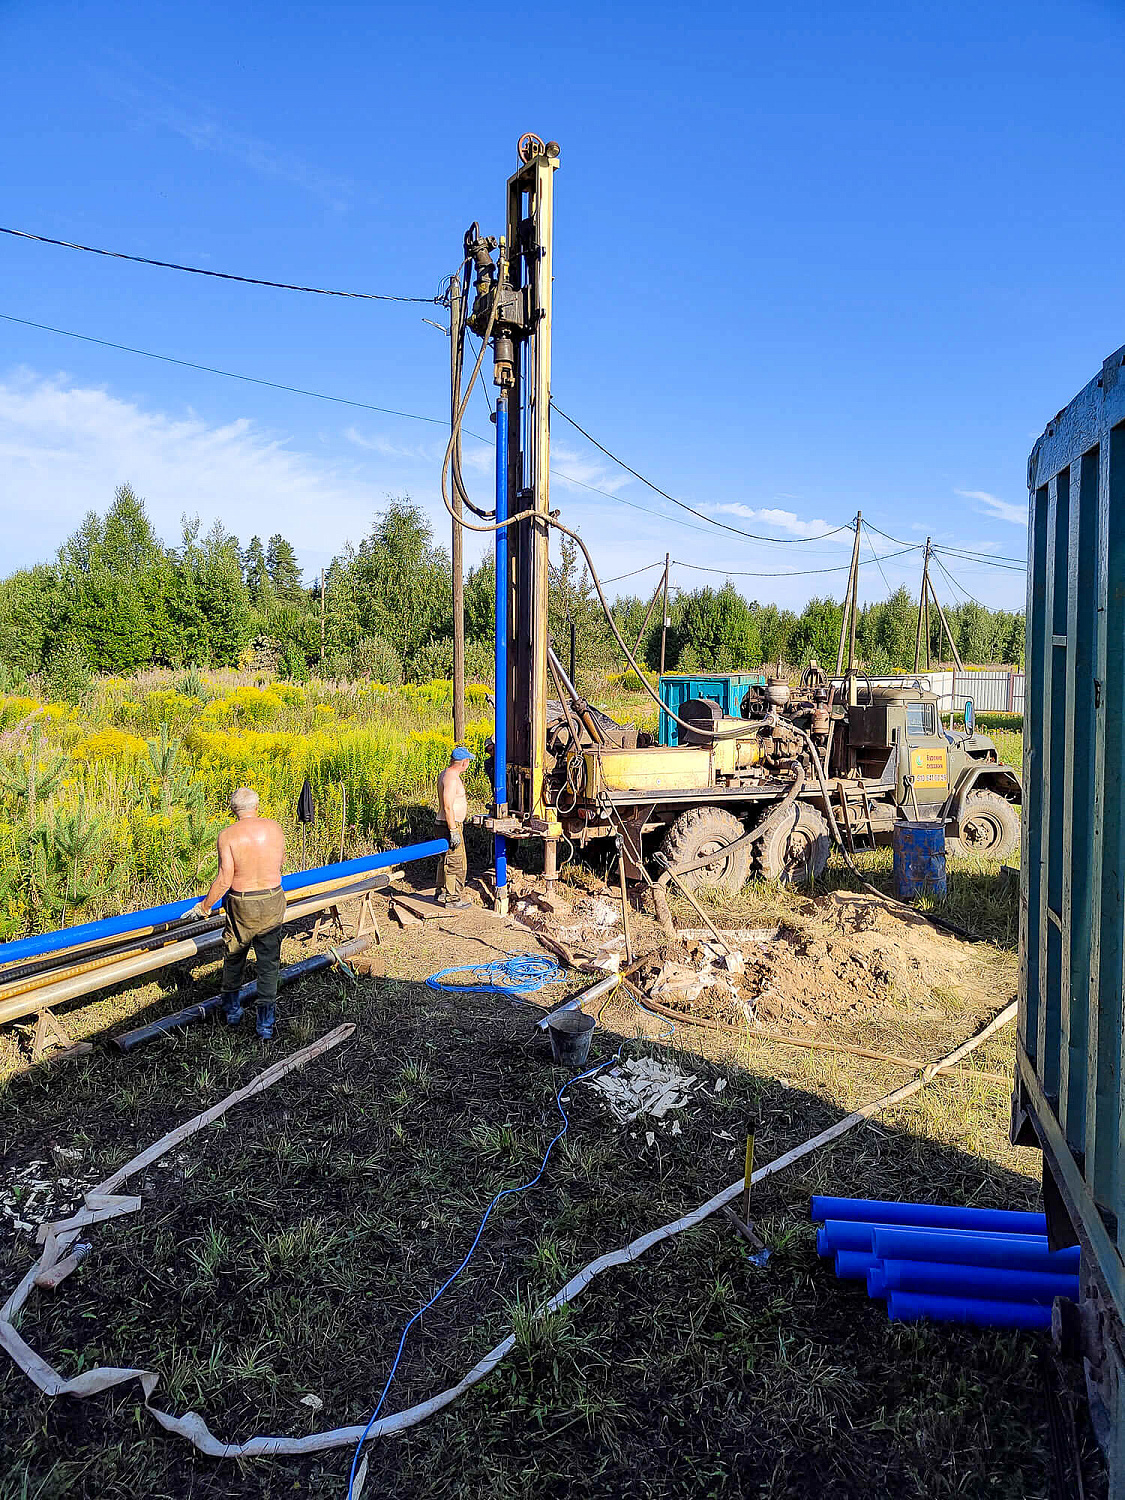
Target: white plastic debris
643,1086
314,1403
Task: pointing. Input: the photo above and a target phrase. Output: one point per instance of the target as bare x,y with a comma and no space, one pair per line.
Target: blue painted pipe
952,1247
908,1307
153,916
854,1265
990,1283
877,1280
500,733
927,1215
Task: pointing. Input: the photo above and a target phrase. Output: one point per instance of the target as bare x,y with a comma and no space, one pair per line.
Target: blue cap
462,754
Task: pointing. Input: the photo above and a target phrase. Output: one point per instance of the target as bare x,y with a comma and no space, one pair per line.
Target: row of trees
116,599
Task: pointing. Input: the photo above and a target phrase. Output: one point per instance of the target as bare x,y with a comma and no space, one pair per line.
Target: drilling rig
765,791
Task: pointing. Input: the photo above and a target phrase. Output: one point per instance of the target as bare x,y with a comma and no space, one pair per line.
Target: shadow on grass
280,1252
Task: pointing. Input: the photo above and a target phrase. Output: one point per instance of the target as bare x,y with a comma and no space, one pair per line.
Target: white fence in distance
993,691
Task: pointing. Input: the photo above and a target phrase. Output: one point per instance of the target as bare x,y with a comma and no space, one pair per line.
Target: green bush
376,658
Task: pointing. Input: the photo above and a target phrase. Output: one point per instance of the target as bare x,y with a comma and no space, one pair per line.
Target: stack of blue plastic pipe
986,1266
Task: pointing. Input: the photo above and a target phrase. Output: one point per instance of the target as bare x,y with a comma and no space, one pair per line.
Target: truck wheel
795,850
708,830
990,827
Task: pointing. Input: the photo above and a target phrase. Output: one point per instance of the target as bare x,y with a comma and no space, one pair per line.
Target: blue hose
926,1215
908,1307
503,1193
516,974
1023,1252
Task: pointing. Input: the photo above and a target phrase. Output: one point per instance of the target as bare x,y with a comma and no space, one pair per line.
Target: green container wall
726,688
1072,898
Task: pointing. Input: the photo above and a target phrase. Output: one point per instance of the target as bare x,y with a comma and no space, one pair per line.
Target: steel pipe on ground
130,1039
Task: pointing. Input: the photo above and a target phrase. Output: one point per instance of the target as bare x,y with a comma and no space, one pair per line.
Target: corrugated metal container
1069,1084
726,688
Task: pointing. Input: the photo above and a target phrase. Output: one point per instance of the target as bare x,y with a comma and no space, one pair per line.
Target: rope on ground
514,974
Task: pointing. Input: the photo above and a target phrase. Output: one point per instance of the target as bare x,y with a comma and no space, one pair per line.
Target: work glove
198,911
455,838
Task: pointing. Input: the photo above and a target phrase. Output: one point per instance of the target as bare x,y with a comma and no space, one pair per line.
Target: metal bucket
570,1032
919,859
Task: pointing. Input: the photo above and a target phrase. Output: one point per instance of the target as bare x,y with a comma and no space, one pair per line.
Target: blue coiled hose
515,974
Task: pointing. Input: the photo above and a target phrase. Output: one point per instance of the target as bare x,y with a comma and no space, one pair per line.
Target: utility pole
922,603
664,621
456,314
322,619
648,615
957,662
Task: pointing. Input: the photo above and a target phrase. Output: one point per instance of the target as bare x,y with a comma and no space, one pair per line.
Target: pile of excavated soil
839,958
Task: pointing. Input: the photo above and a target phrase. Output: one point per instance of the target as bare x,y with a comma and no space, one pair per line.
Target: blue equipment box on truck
1069,1093
727,689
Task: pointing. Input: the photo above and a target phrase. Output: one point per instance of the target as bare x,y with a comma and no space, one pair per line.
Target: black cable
648,567
994,559
898,541
170,265
711,521
187,364
959,587
793,572
880,560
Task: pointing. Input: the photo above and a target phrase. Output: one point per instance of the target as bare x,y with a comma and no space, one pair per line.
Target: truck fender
988,776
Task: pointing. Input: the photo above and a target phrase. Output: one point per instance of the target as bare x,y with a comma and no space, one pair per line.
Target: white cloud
782,520
64,449
155,101
1002,510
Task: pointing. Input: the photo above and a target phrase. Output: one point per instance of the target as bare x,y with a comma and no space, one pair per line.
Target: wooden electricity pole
957,662
648,615
923,610
456,313
664,619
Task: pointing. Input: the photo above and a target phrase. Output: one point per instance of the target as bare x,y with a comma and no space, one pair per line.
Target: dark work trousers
253,919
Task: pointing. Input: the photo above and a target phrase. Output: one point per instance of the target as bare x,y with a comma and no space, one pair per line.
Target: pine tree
284,573
254,570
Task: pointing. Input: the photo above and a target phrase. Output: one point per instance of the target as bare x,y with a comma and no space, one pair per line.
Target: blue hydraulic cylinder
926,1215
1026,1252
908,1307
500,734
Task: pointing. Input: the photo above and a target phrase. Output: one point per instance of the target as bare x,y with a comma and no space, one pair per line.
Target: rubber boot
232,1008
267,1019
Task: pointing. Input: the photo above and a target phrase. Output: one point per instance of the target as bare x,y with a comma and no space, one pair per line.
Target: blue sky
808,260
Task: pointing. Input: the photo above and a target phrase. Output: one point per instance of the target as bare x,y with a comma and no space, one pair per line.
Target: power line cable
648,567
171,265
996,558
793,572
702,515
954,584
898,541
879,560
296,390
187,364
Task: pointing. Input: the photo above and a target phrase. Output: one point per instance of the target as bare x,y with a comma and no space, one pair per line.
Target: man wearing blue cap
453,804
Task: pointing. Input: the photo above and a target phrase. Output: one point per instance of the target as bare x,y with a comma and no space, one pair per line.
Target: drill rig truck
764,790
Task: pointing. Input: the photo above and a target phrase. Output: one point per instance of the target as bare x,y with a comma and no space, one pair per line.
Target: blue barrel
919,859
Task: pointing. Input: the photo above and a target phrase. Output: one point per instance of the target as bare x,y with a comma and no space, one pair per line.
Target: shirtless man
452,807
251,855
